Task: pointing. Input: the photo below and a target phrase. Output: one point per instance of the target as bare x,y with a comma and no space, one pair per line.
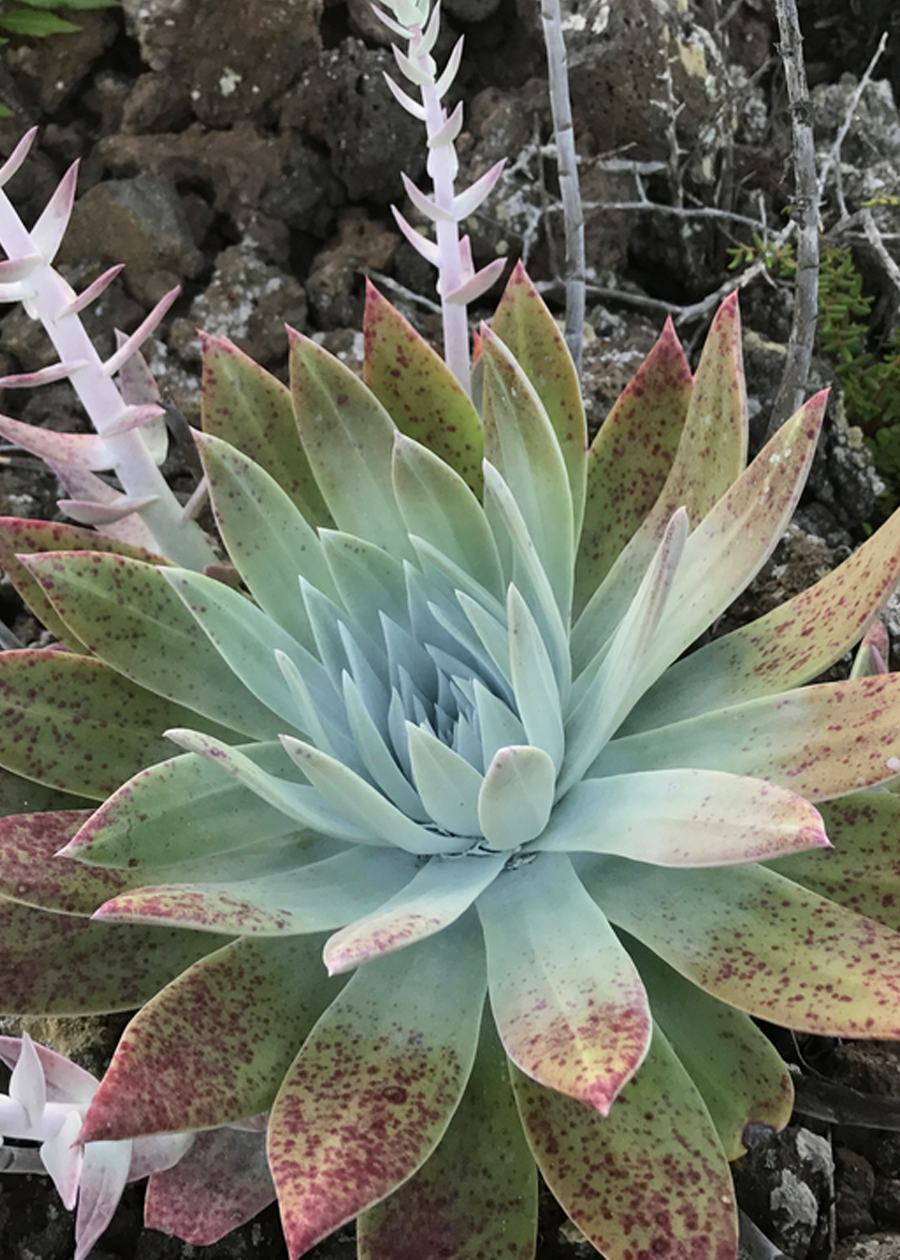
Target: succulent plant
439,734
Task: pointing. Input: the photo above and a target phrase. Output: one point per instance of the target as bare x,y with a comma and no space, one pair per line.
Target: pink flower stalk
131,438
458,282
47,1102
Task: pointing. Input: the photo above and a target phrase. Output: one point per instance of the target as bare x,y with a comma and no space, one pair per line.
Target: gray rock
54,69
232,58
139,222
342,103
248,301
156,102
873,1247
235,168
335,285
854,1183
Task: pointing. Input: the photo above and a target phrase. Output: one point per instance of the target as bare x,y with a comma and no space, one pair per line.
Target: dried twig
567,165
834,156
805,212
875,239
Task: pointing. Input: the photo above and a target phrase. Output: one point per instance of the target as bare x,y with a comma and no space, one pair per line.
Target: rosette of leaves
464,865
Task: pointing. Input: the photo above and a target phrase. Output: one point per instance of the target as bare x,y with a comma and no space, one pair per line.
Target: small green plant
36,19
870,383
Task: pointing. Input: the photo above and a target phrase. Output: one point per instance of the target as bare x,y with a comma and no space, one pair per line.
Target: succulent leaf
578,1022
206,1050
25,537
73,723
252,411
418,390
62,964
683,818
795,958
348,438
281,898
357,1115
476,1195
787,647
822,741
525,326
126,613
736,1069
862,870
630,459
222,1182
187,810
671,1191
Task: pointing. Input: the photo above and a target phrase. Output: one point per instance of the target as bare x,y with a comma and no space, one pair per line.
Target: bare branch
834,157
805,212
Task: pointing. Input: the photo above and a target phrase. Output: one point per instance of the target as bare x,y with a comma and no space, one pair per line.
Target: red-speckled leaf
73,723
348,438
221,1183
651,1178
283,898
788,646
23,796
521,443
740,1076
128,615
215,1044
568,1002
710,457
822,741
249,408
730,545
418,390
630,459
31,874
862,871
21,537
762,943
525,326
61,964
713,447
184,809
372,1091
436,897
475,1198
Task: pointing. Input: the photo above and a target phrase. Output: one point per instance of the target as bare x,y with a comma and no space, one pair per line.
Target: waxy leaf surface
348,438
787,647
821,741
528,330
183,809
73,723
215,1044
862,871
475,1198
61,964
31,874
738,1072
24,537
650,1178
126,613
418,390
373,1089
630,459
222,1182
752,938
252,410
575,1019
